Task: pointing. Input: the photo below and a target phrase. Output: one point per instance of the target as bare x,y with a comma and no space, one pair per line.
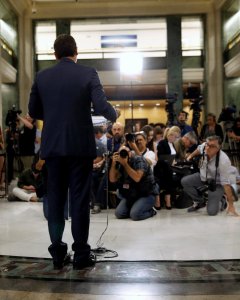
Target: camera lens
123,153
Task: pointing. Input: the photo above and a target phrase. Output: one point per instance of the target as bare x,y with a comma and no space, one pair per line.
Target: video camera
171,99
169,108
196,107
11,118
196,104
227,113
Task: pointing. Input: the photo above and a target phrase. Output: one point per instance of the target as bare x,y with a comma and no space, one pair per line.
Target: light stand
131,65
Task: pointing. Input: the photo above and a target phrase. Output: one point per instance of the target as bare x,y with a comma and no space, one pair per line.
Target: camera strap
216,165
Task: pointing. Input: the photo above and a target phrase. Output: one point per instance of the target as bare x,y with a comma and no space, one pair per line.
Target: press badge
126,186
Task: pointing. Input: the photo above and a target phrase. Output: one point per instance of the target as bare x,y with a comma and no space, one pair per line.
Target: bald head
117,130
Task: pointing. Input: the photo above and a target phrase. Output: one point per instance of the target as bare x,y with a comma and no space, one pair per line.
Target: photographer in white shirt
213,179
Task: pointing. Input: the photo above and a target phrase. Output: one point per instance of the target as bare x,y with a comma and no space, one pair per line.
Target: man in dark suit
62,96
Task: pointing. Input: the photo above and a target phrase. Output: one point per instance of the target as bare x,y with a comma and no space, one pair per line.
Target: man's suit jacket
61,96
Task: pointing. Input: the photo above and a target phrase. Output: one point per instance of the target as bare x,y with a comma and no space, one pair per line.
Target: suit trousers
74,173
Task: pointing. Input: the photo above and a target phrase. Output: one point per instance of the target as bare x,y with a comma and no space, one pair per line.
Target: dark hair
212,115
34,170
161,125
65,46
183,112
147,129
157,130
98,129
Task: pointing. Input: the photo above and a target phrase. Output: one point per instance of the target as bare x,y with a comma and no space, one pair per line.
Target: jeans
142,208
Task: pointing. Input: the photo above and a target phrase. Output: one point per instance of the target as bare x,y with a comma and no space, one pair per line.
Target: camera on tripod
210,185
227,114
169,108
196,104
12,117
171,99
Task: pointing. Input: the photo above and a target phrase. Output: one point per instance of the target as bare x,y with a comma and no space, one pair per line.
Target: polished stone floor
170,235
174,255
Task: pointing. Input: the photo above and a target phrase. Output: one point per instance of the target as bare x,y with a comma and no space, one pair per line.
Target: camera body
130,137
11,118
210,185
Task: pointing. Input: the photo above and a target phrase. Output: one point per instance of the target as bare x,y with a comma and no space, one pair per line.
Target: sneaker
154,212
96,209
224,203
196,206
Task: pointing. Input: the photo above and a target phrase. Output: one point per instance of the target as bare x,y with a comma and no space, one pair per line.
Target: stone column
213,85
174,58
0,88
26,59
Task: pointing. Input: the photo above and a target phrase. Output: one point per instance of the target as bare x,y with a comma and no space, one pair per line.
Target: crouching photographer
210,185
136,185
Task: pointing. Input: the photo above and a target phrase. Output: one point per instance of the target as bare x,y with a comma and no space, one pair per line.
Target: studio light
131,66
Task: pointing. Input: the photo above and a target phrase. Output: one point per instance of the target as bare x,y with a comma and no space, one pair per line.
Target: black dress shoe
58,251
59,264
157,207
168,207
81,264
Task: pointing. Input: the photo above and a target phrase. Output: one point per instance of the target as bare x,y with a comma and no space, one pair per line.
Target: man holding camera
138,143
213,180
136,185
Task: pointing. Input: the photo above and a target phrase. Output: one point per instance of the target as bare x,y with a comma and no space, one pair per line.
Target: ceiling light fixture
34,9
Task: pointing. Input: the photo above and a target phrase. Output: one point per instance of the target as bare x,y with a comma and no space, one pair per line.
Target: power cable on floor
101,251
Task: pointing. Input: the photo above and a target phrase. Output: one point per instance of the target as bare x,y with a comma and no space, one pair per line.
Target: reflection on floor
174,253
123,272
170,235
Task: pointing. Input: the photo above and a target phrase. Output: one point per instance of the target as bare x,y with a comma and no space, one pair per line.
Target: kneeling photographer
136,185
209,186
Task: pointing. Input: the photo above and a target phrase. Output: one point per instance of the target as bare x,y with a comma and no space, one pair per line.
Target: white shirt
150,155
173,151
208,168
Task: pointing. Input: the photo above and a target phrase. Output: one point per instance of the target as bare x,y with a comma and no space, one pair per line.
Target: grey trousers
190,184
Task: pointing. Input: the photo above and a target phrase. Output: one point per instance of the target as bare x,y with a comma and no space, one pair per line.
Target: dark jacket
218,131
61,96
163,147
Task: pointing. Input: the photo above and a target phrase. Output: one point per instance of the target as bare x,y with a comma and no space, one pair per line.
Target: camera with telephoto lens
210,185
123,153
130,137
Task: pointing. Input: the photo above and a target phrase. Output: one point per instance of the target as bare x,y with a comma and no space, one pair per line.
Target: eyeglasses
211,146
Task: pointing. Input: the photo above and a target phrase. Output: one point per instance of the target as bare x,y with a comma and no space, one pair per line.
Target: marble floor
169,236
